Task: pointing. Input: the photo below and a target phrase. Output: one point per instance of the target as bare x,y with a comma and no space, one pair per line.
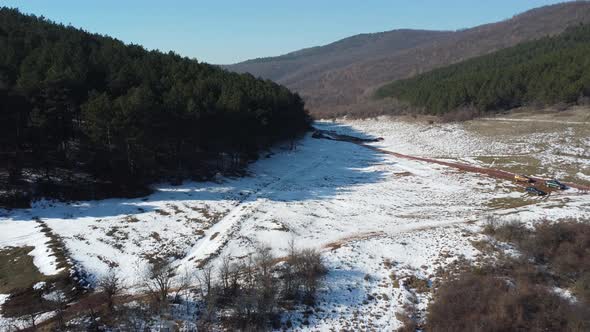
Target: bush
582,288
255,289
512,231
494,303
563,245
516,294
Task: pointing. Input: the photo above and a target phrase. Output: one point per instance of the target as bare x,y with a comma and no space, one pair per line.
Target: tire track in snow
217,236
18,239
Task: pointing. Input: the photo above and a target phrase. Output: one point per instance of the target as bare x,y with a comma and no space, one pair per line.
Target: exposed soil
496,173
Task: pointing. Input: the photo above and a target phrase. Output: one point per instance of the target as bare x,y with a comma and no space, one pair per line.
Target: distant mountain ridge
337,54
340,77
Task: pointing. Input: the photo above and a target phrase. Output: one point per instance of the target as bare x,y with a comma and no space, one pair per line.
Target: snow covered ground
379,219
546,148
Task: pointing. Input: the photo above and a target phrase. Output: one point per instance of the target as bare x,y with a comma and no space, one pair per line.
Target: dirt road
496,173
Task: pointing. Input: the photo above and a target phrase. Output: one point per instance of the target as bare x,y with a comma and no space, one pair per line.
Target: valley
379,220
428,177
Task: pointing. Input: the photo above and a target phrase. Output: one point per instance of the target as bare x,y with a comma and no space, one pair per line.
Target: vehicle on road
555,184
523,178
535,191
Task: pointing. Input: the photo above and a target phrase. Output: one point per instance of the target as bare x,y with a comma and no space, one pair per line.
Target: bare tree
183,285
158,280
311,269
225,274
110,285
266,283
209,296
290,278
234,277
205,279
264,260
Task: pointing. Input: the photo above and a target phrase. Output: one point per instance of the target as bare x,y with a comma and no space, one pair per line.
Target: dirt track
496,173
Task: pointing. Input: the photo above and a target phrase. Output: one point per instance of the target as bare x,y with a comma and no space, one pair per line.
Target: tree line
548,71
86,105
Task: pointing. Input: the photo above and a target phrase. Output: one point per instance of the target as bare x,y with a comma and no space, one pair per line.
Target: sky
229,31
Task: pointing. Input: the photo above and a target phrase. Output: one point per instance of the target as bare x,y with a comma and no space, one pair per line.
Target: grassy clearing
17,269
546,143
533,165
500,203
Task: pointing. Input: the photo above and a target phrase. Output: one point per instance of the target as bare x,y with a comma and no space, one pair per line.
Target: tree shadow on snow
318,169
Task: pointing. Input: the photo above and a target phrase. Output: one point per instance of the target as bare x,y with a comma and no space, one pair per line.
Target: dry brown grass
491,302
17,269
510,294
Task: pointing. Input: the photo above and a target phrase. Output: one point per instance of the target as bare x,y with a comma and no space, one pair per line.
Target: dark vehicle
555,184
535,191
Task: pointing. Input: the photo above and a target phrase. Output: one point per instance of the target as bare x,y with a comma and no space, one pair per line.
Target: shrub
516,294
582,288
111,286
255,289
495,303
512,231
564,246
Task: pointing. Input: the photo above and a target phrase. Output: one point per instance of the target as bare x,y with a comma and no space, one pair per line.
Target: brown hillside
339,78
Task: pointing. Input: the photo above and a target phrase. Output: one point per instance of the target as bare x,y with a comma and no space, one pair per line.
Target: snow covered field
375,216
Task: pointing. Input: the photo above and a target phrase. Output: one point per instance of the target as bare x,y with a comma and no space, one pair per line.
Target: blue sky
227,31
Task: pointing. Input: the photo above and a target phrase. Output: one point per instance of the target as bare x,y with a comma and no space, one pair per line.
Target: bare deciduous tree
266,285
205,279
158,280
311,269
290,279
185,280
225,274
110,285
209,295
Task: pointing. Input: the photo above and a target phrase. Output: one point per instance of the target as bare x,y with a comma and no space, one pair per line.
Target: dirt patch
362,236
17,269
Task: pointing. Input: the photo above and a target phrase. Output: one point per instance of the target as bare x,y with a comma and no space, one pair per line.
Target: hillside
330,91
292,67
547,71
77,108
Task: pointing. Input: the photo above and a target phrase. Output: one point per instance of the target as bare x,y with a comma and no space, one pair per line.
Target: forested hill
547,71
76,102
340,79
